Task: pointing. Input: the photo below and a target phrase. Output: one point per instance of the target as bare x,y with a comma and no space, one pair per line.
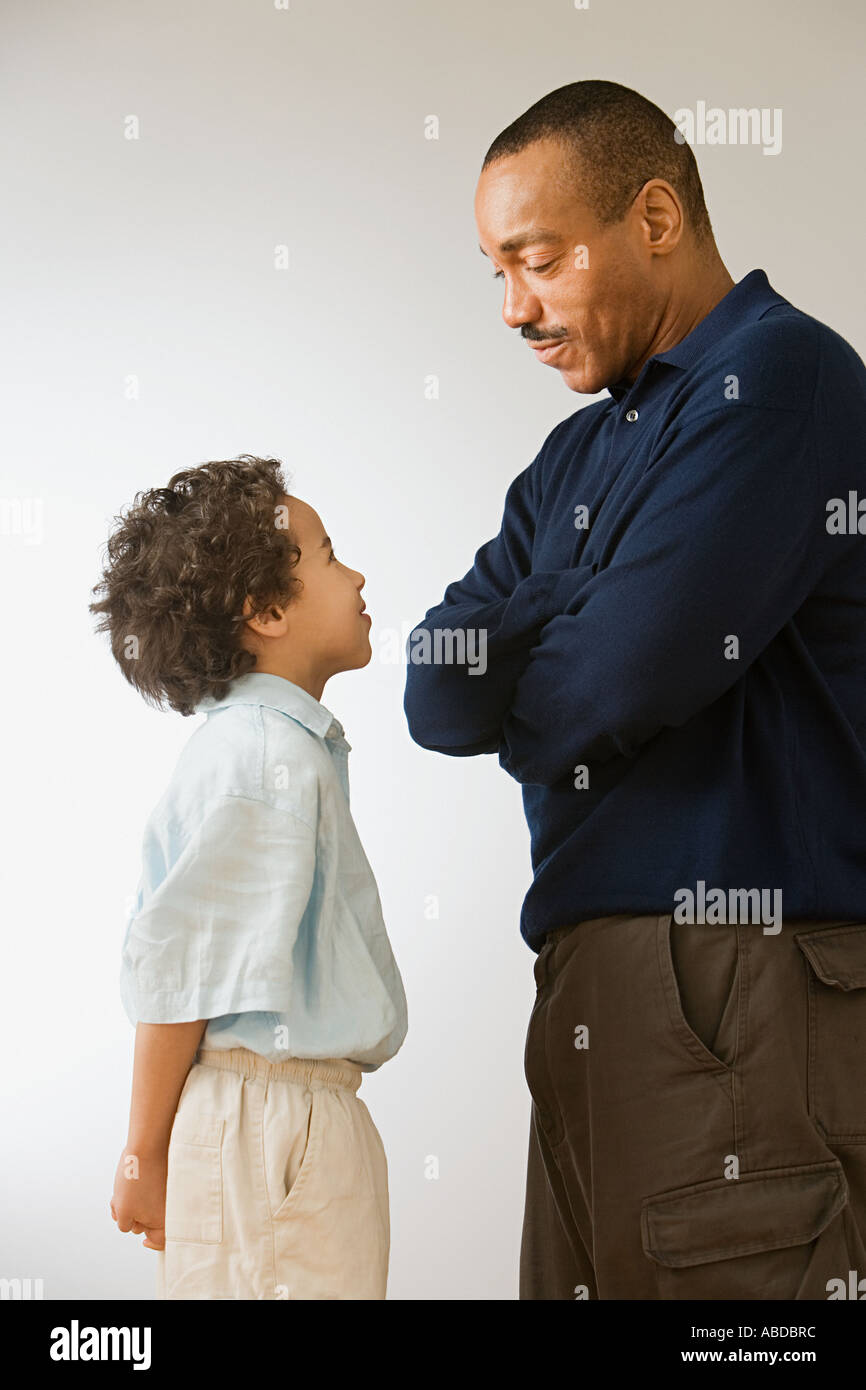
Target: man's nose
520,305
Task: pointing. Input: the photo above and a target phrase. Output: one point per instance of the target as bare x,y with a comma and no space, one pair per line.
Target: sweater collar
745,302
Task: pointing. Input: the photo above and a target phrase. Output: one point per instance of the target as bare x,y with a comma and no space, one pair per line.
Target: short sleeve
216,934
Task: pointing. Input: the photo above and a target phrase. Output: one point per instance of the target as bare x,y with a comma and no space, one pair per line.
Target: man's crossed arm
498,608
719,543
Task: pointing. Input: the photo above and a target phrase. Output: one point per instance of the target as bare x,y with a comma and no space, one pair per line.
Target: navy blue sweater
677,674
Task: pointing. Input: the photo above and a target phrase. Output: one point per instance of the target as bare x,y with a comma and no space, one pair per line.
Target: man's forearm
164,1053
456,705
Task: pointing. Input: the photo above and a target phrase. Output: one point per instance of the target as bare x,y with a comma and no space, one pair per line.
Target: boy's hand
138,1203
164,1054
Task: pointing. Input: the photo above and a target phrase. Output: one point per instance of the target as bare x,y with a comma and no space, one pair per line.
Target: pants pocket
701,975
836,969
749,1237
294,1189
194,1182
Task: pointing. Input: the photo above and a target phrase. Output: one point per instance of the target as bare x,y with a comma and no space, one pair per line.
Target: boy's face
322,630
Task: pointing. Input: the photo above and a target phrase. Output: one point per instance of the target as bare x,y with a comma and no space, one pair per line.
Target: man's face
599,305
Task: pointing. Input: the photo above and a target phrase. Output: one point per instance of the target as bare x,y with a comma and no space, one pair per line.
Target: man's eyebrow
517,243
326,540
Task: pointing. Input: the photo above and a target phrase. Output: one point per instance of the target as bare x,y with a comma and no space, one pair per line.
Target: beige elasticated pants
277,1183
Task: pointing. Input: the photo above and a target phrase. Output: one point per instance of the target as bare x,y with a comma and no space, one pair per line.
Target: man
672,621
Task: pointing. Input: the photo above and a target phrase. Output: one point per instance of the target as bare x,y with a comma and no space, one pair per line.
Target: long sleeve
464,658
723,540
215,929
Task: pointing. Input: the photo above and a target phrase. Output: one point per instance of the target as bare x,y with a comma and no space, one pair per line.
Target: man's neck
684,314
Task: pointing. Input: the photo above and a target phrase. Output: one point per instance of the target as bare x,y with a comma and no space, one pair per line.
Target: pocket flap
837,954
726,1217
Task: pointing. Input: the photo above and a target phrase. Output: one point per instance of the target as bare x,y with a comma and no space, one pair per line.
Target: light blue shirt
257,908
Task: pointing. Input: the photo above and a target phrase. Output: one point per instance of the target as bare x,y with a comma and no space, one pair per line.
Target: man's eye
498,275
332,556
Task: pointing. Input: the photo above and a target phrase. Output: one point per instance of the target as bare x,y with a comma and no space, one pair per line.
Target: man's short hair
614,141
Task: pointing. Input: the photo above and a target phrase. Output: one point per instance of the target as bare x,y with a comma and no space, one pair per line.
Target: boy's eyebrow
326,540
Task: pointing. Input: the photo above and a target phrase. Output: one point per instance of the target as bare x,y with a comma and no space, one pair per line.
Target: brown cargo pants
698,1124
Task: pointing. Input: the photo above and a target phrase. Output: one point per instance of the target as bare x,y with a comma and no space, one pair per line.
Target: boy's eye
332,556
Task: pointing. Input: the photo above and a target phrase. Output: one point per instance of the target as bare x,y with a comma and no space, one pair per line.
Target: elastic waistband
328,1071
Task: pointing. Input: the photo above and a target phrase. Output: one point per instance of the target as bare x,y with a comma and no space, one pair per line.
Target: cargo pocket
836,971
194,1183
295,1193
746,1237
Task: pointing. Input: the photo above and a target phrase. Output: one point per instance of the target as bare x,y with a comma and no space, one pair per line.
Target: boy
256,964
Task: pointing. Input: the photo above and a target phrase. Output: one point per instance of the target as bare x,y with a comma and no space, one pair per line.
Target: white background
155,259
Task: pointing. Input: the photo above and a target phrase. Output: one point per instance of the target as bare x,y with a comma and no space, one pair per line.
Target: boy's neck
313,683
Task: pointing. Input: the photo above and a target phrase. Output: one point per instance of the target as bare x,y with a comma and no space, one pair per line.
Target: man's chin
579,379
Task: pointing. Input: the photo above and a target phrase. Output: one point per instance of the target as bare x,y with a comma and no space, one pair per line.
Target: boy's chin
364,659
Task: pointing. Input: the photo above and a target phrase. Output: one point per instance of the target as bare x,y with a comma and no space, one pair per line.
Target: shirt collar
279,693
745,302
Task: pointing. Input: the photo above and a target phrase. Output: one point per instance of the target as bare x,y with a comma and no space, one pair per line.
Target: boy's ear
264,623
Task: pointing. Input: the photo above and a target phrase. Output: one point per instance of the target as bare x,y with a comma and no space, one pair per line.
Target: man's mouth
545,349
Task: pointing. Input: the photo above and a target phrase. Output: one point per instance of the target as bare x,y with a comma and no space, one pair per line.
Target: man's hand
138,1203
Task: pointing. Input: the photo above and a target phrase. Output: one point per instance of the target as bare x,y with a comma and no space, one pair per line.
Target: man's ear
661,213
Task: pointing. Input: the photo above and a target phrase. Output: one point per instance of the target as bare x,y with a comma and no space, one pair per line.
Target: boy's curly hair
180,564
